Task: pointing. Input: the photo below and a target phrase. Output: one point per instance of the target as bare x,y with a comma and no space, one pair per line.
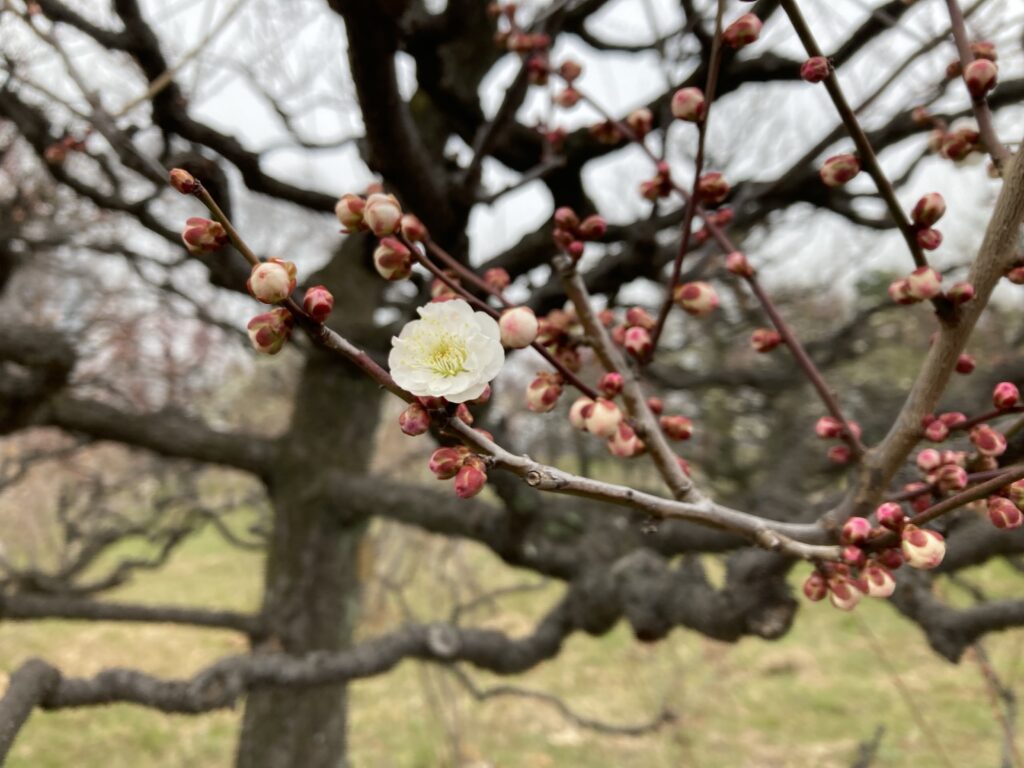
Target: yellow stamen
447,356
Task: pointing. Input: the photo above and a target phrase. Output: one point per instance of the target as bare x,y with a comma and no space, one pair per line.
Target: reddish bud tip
928,210
1005,395
815,69
981,76
742,32
268,332
183,181
414,420
1004,513
318,303
688,104
839,169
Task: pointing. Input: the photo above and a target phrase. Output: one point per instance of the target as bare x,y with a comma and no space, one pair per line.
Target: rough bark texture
311,597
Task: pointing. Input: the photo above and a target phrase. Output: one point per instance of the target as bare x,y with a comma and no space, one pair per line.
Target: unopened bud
637,342
890,515
392,259
610,384
469,481
928,210
950,478
203,236
937,431
349,211
624,443
697,298
839,454
639,317
957,145
414,420
929,460
382,214
318,303
640,121
676,427
602,418
960,293
656,405
570,70
413,228
566,218
576,412
965,364
268,332
815,588
712,188
928,239
922,547
843,593
592,228
879,581
815,69
899,291
497,279
737,263
924,283
765,340
1016,492
855,530
567,97
839,169
518,327
988,441
1004,513
828,427
446,462
183,181
981,76
688,104
853,556
543,393
744,31
1005,395
271,281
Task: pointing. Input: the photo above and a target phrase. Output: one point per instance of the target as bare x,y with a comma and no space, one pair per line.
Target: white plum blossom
450,352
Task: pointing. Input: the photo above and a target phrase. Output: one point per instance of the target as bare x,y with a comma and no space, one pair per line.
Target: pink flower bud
640,121
624,443
879,580
566,218
183,181
318,303
899,291
382,214
592,228
922,547
891,558
957,145
853,556
578,410
929,460
890,515
954,457
828,427
393,260
203,236
433,403
570,70
843,593
1005,395
470,480
543,393
349,211
268,332
981,76
1004,513
412,228
984,49
639,317
518,327
272,281
950,478
765,339
603,418
637,342
924,283
610,384
676,427
928,239
440,290
656,405
937,431
445,462
952,419
567,97
960,293
928,210
697,298
855,530
839,454
965,364
712,188
744,31
414,420
1016,275
463,414
815,69
988,441
497,279
688,104
737,263
839,169
815,588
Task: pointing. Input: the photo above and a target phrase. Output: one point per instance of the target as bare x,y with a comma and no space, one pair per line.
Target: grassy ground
807,700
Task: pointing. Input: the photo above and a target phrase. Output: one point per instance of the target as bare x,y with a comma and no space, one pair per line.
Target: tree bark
312,588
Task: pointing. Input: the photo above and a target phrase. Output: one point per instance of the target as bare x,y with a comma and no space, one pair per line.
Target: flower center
447,356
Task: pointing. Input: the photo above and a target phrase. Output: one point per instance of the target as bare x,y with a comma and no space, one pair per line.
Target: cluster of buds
634,334
659,185
1006,509
272,281
839,169
378,213
942,472
468,469
920,285
926,213
57,153
831,428
955,145
570,233
604,419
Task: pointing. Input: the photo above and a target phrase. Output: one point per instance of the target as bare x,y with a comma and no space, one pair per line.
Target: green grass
806,700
